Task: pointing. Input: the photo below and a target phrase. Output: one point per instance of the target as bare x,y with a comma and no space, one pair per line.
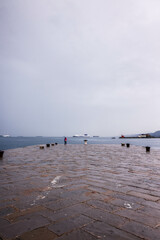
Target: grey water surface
18,142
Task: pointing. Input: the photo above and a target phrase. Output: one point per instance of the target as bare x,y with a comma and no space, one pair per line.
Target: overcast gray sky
79,66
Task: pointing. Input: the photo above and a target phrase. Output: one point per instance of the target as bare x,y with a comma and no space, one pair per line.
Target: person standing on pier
65,141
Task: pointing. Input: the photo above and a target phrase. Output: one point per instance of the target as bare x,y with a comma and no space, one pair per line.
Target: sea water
17,142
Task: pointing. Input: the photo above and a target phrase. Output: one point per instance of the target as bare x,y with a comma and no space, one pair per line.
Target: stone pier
80,192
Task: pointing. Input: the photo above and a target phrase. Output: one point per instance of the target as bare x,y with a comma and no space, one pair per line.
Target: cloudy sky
79,66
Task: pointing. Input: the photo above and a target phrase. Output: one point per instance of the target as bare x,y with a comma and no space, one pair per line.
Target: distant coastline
137,137
143,135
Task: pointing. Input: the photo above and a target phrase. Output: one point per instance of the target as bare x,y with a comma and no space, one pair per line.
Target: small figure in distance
65,141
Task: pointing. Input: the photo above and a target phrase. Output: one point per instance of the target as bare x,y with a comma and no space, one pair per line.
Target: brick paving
80,192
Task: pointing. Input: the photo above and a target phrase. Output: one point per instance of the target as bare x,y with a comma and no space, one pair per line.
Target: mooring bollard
52,144
148,149
41,147
122,144
128,145
56,143
85,141
1,154
47,145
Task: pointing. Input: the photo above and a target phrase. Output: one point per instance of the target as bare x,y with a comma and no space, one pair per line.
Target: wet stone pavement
80,192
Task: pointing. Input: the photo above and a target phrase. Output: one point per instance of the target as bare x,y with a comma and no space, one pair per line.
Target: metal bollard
1,154
128,145
47,145
123,144
56,143
148,149
52,144
41,147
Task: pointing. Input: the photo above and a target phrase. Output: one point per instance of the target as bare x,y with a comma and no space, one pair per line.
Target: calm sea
17,142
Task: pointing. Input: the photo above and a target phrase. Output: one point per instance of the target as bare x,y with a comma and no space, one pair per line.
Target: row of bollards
48,145
41,147
128,145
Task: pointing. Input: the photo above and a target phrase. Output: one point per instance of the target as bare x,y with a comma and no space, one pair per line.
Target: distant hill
155,134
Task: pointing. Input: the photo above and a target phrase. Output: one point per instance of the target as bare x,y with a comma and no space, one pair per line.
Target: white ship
81,135
5,135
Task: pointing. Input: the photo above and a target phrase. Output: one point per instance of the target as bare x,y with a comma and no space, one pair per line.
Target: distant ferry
79,135
5,135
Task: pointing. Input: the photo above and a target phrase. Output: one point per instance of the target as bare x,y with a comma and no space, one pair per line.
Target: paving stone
103,231
6,211
38,234
103,205
94,195
148,191
18,228
66,212
7,203
126,197
29,216
150,212
63,203
104,216
125,204
73,193
24,213
98,189
81,198
71,224
139,217
143,195
78,185
78,235
3,223
155,205
141,231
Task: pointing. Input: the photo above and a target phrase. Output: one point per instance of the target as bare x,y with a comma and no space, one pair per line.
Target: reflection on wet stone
80,192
